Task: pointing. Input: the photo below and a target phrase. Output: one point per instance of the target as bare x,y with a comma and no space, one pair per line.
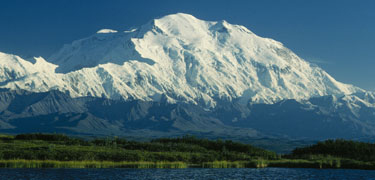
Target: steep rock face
177,58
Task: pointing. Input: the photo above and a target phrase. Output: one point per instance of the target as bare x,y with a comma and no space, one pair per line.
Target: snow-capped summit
104,31
181,59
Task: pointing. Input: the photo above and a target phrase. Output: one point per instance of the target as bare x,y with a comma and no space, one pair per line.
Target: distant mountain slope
317,118
348,116
177,58
53,111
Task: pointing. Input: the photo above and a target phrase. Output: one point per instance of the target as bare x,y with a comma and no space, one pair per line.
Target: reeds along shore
330,163
19,163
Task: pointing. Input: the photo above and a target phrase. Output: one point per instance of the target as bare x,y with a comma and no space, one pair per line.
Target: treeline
219,145
187,149
53,138
355,150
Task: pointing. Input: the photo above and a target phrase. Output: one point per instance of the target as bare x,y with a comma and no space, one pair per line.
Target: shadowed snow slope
177,58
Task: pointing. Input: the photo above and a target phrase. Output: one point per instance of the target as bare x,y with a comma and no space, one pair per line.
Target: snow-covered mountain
177,58
177,75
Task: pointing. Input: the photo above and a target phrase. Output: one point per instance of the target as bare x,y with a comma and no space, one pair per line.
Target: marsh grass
323,163
259,163
20,163
328,163
333,163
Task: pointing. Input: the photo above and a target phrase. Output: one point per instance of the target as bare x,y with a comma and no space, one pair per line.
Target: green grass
189,150
54,150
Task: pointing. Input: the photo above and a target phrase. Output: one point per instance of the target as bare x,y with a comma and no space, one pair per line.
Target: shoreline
284,163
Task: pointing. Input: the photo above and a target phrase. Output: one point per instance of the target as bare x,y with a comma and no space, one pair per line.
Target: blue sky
338,35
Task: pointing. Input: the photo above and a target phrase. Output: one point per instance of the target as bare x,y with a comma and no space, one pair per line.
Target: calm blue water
215,174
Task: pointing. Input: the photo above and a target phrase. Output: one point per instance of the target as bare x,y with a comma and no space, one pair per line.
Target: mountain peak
177,17
105,31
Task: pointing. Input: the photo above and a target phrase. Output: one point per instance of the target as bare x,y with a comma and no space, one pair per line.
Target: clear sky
338,35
